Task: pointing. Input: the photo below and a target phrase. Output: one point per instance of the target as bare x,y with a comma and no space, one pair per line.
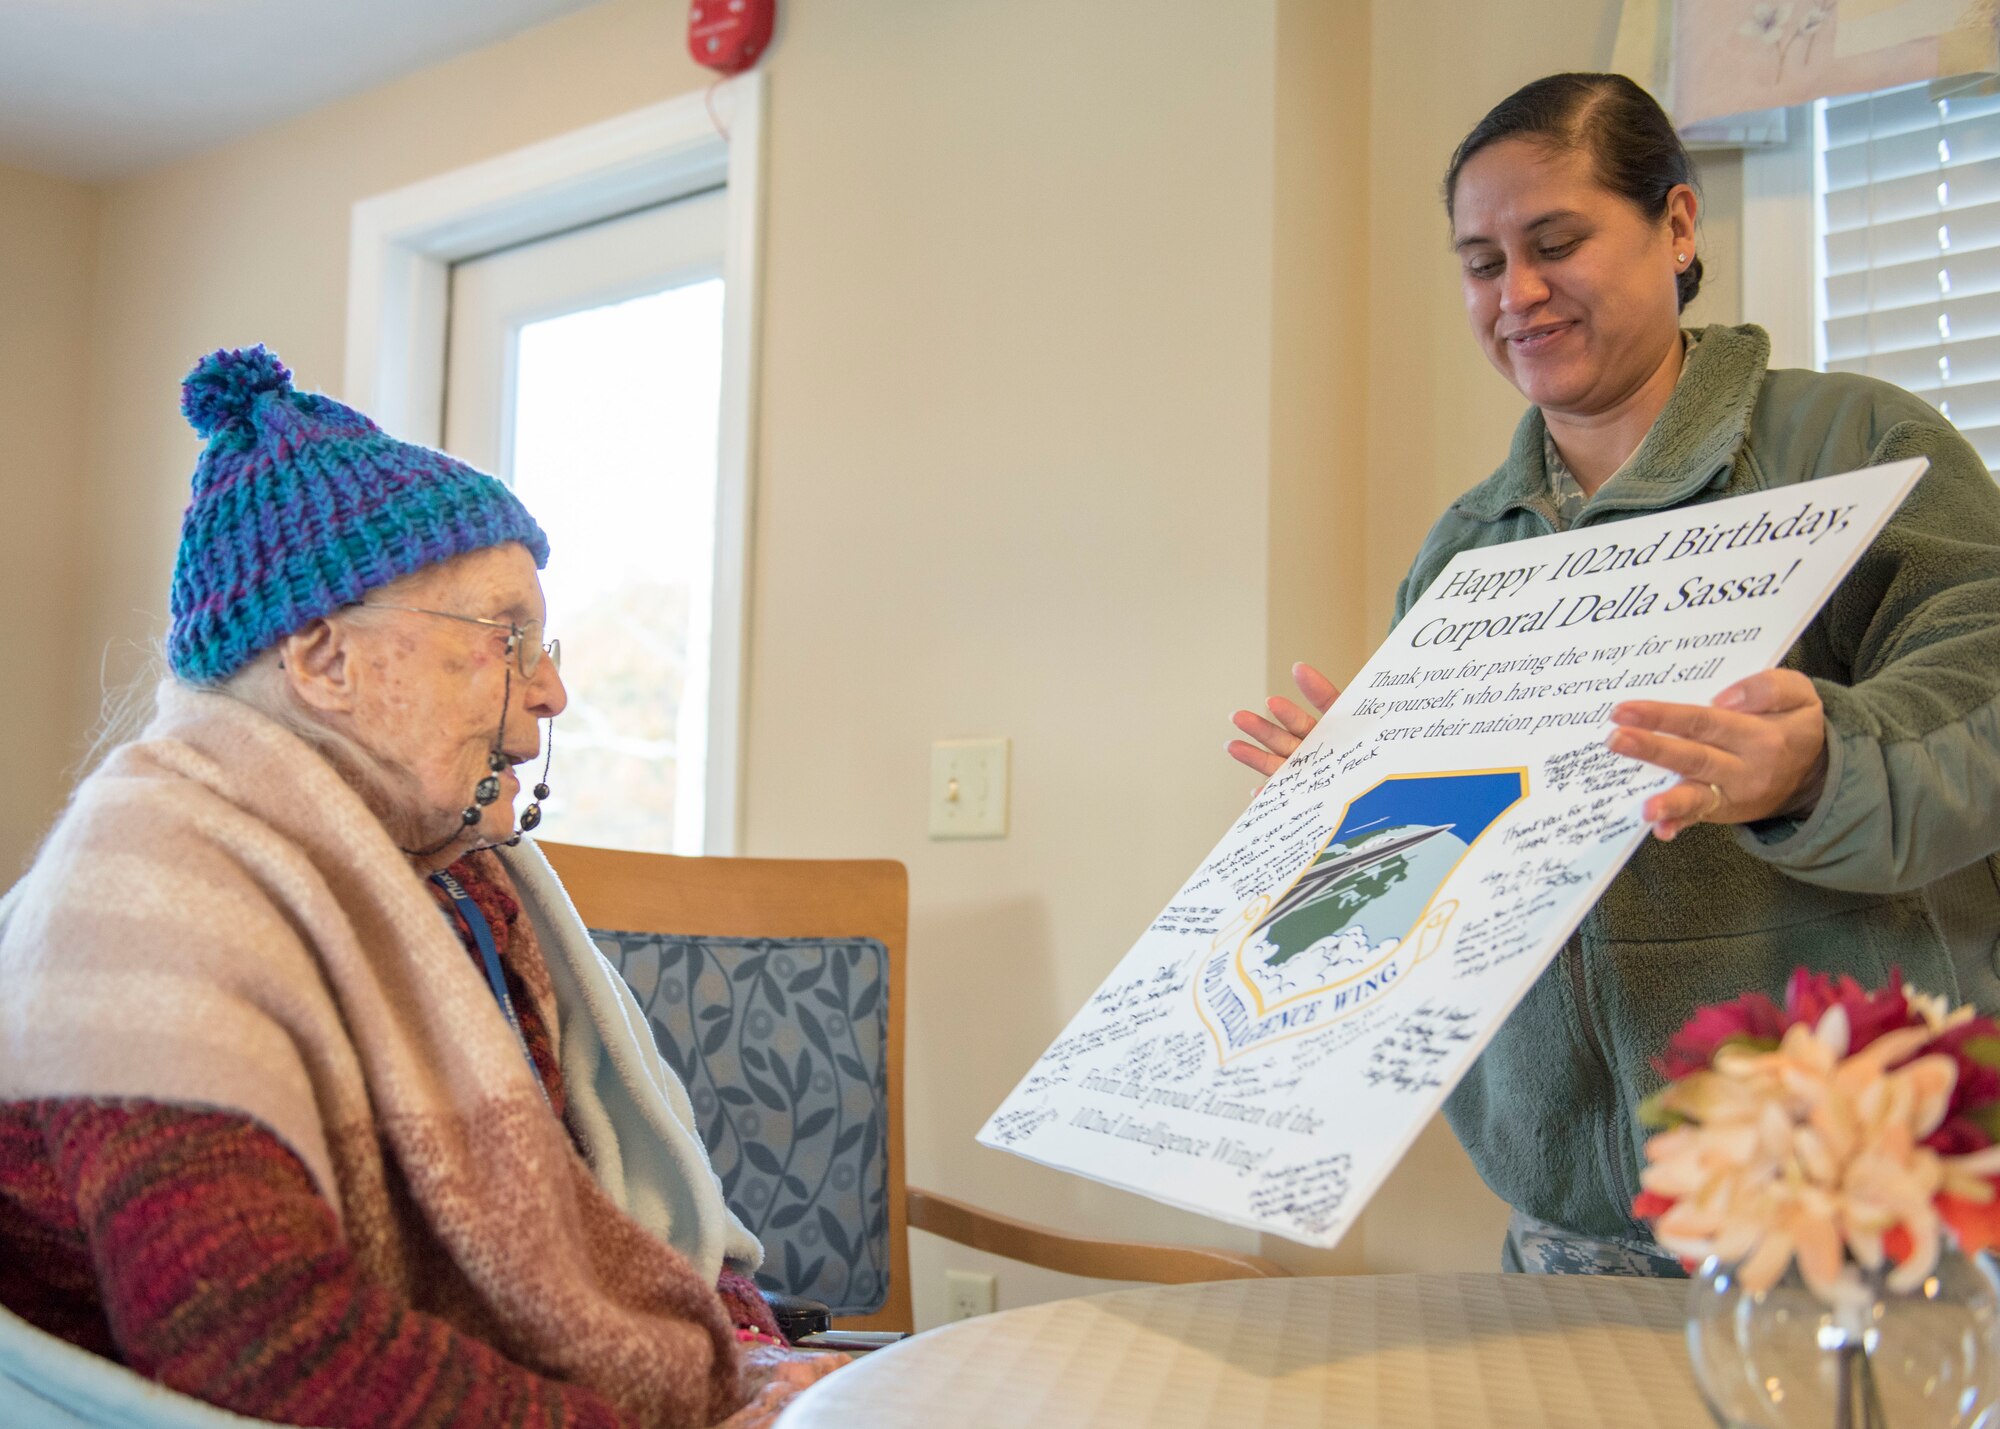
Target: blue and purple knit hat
301,505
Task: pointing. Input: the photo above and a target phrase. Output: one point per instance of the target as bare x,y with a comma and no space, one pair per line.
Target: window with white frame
1907,198
596,294
586,370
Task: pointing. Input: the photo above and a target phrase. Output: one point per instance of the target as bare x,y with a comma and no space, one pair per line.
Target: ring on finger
1714,801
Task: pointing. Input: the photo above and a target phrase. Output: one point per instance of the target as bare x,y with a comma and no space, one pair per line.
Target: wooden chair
855,898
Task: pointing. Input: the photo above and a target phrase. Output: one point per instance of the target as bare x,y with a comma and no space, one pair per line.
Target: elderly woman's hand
775,1376
1275,742
1756,752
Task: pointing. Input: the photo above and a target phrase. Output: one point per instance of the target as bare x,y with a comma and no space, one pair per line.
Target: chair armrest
1077,1255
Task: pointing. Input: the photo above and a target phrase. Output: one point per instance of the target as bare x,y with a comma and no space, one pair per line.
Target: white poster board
1272,1044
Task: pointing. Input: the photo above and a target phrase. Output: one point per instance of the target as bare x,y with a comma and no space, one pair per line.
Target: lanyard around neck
489,955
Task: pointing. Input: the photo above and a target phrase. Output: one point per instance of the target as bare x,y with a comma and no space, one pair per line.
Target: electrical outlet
968,1293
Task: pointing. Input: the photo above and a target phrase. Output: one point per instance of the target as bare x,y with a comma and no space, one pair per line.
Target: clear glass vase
1875,1359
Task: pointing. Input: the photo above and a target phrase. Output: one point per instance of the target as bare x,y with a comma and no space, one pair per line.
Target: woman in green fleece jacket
1841,812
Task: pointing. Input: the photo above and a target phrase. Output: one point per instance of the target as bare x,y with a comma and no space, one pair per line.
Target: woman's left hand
1757,751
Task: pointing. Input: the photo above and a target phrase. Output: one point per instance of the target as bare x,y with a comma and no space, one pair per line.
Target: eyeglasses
524,642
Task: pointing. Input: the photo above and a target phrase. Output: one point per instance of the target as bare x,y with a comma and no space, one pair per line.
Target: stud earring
1680,258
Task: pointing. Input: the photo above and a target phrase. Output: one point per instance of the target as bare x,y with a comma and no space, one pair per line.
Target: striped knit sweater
193,1247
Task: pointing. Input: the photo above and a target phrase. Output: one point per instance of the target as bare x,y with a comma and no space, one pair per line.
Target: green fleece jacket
1894,865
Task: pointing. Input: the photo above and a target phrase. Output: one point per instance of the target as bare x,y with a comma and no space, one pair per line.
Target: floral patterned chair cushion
783,1046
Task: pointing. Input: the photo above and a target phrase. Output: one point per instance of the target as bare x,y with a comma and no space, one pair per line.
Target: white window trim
398,279
1781,238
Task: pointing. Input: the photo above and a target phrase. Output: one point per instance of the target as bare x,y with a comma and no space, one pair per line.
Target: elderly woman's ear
320,662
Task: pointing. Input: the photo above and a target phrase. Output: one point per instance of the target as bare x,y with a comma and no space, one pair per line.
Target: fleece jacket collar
1692,444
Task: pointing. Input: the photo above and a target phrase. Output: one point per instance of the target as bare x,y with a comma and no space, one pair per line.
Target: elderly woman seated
316,1102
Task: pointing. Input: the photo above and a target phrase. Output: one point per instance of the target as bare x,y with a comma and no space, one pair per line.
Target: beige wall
1321,340
1015,479
46,233
1099,379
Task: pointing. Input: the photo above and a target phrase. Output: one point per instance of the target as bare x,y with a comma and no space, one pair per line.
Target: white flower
1808,1152
1938,1014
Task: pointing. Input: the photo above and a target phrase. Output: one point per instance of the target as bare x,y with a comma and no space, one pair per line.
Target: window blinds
1910,194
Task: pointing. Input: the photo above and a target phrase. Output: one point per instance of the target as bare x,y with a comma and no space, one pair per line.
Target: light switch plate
969,789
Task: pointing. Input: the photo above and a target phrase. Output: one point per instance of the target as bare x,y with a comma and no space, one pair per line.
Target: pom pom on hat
224,386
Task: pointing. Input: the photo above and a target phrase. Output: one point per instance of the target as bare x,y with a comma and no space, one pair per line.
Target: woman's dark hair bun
1689,282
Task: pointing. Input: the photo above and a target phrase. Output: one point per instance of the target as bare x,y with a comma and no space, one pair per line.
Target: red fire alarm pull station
730,35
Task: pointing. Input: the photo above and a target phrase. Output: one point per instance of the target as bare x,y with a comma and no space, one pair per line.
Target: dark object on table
851,1342
798,1316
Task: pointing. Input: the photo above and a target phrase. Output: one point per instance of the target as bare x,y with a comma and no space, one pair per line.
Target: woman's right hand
1275,742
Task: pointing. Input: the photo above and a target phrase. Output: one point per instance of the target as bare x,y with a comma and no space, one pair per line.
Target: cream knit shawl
219,921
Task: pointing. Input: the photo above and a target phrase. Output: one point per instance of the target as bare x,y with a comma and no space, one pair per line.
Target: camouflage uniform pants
1538,1248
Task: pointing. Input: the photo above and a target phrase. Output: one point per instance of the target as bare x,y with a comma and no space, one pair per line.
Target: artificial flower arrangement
1849,1129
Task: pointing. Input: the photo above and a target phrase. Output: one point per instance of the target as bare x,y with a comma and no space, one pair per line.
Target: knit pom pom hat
301,505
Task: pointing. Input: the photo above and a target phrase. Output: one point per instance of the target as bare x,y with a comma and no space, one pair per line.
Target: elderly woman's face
428,692
1570,289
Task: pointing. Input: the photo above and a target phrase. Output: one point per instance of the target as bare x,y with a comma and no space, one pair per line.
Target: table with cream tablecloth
1392,1350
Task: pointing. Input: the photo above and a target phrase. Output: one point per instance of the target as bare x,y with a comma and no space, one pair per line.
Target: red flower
1976,1224
1752,1016
1896,1243
1978,1081
1809,995
1651,1205
1959,1136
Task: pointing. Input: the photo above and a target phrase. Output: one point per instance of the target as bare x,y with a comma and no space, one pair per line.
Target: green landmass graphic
1384,899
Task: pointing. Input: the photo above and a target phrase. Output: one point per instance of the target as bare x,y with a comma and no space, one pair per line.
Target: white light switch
969,789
